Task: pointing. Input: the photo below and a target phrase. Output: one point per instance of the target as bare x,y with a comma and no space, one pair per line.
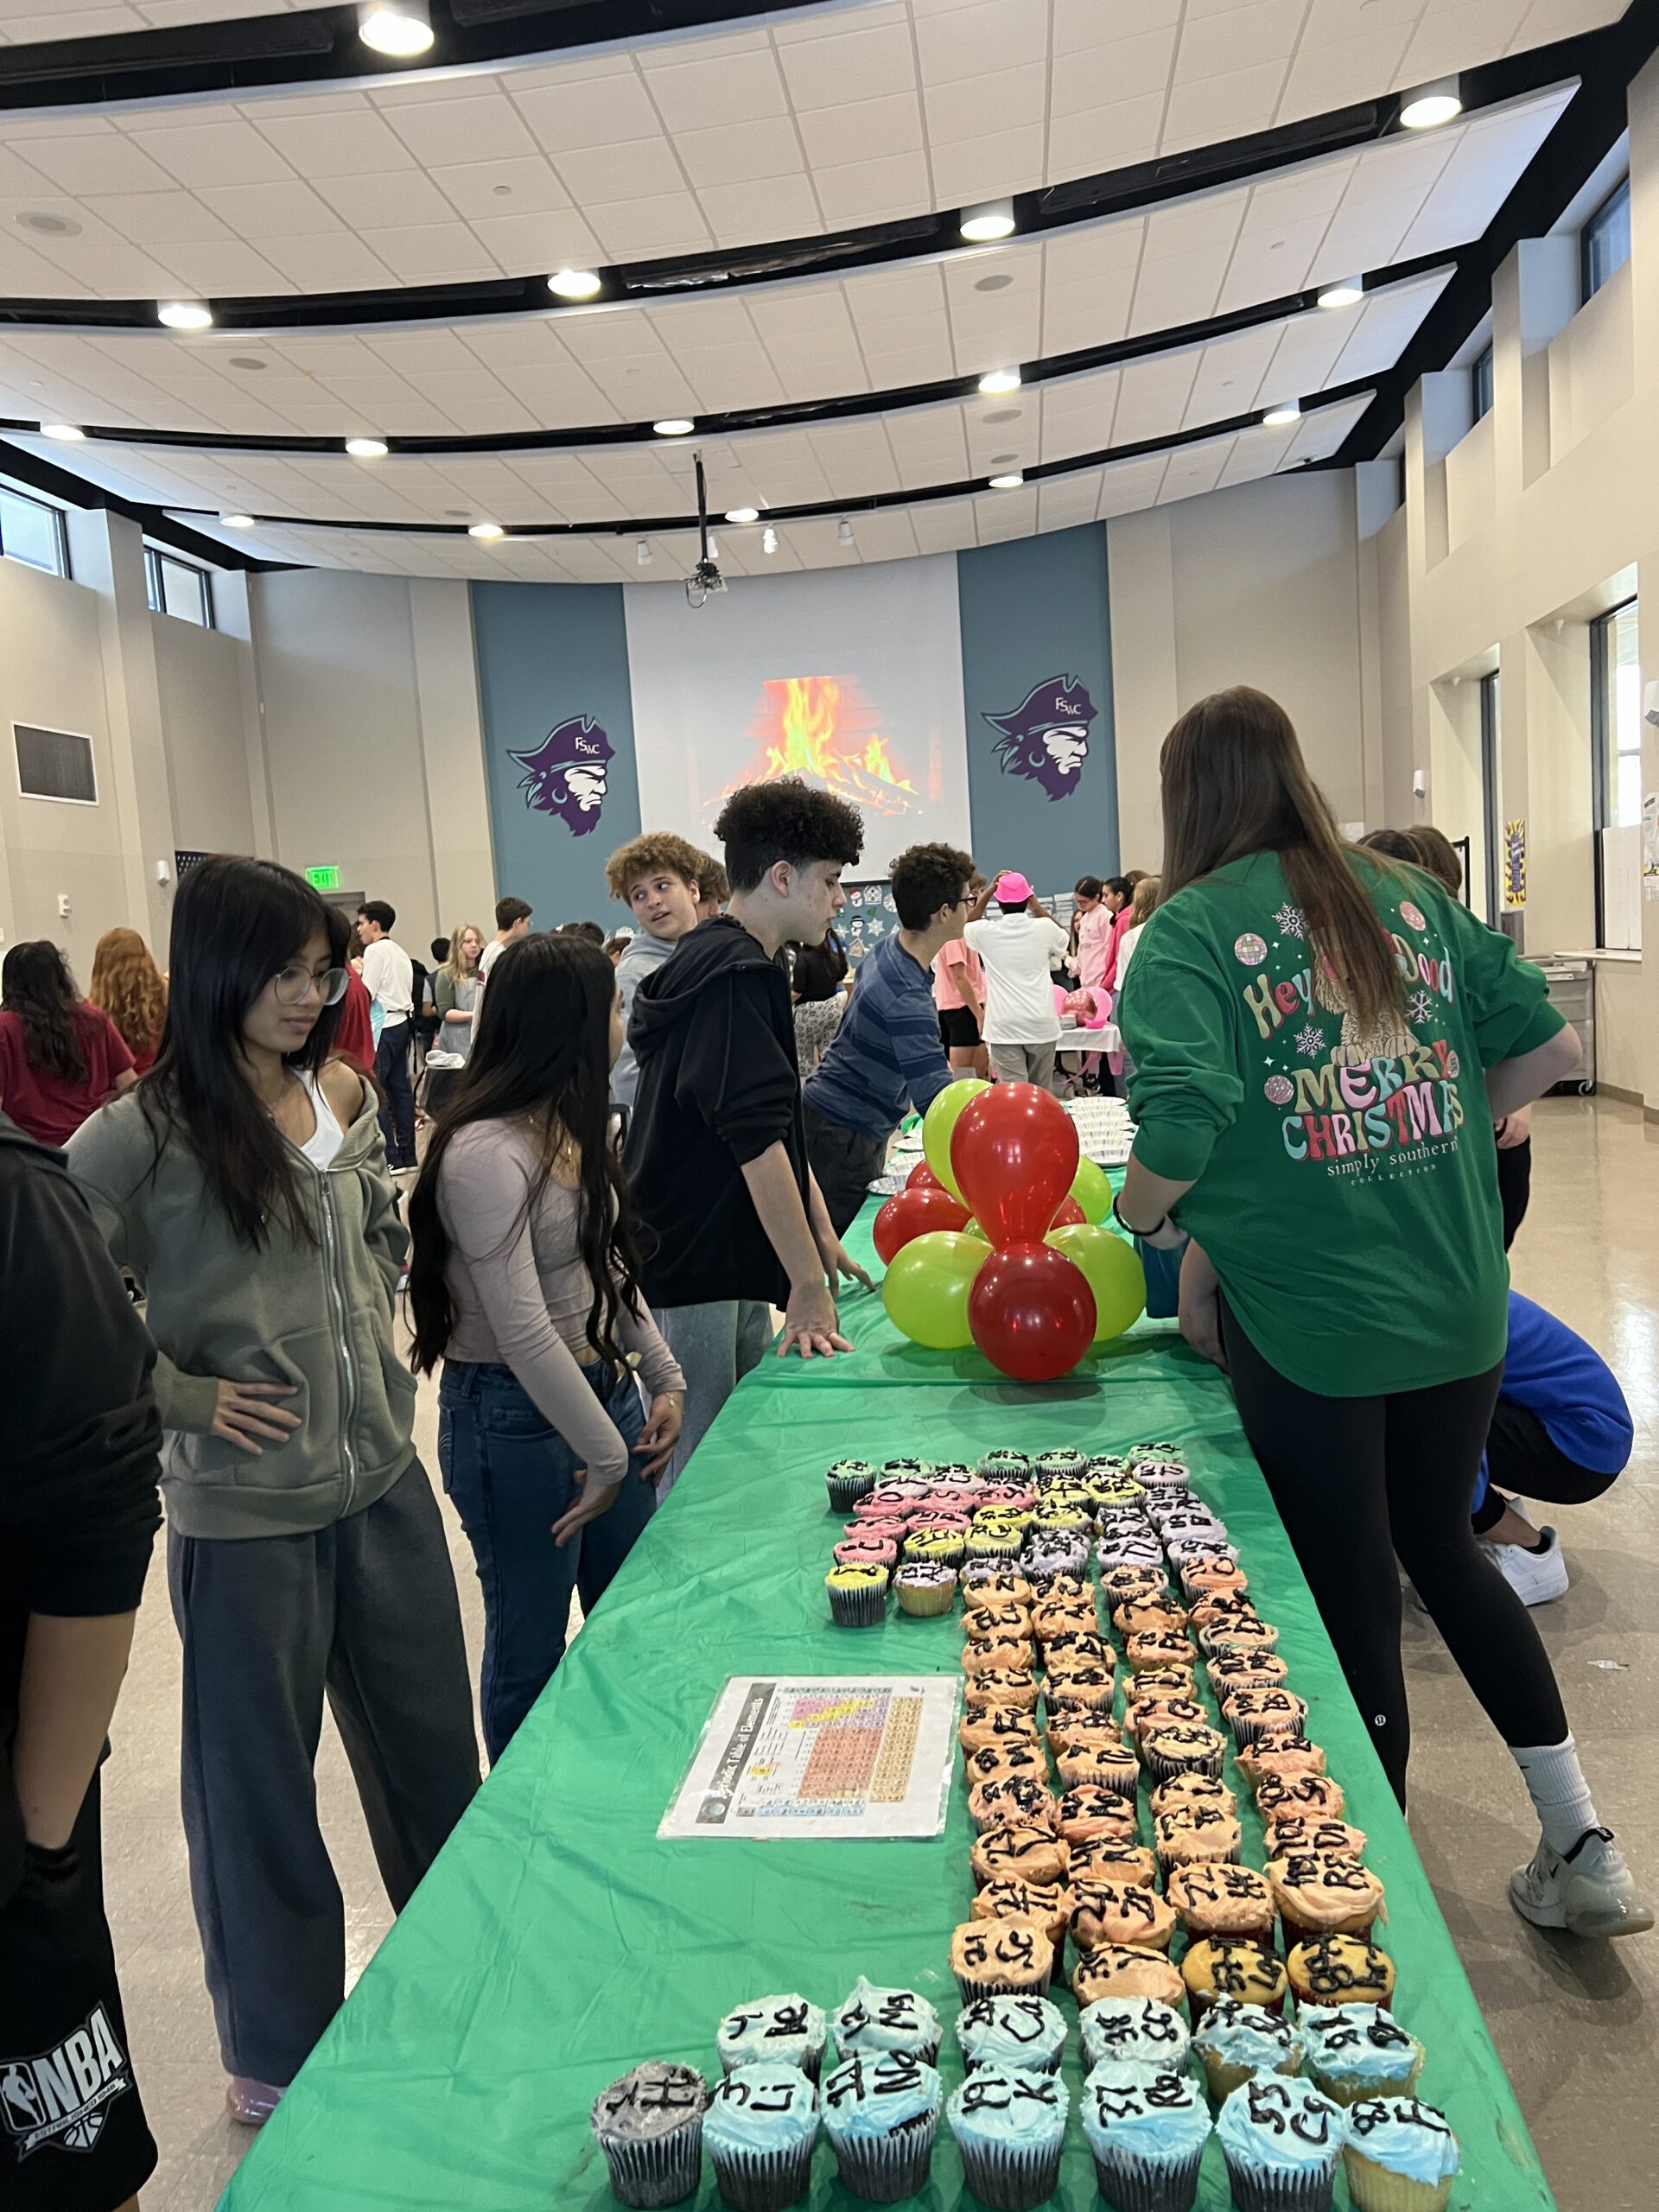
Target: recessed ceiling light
366,448
1004,415
844,534
994,219
1011,482
1431,105
673,426
574,284
998,380
66,432
998,284
402,28
1346,292
1286,412
251,362
490,529
236,522
742,514
184,314
46,224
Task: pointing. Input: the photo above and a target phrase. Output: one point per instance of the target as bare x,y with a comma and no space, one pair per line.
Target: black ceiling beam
160,522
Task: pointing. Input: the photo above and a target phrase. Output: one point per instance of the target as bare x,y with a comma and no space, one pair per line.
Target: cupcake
1234,1902
1358,2050
1165,1710
1274,1753
1079,1682
1007,1616
649,2125
1000,1762
1232,1670
994,1650
1282,2141
925,1588
1253,1713
1025,2031
1119,1970
1236,2041
944,1547
1211,1607
1210,1573
760,2128
992,1720
1159,1681
1217,1967
1076,1644
1015,1495
1002,1464
1194,1789
1091,1814
997,1958
1279,1794
1399,2156
1047,1558
1009,2125
1013,1899
1339,1970
1111,1913
955,1471
1100,1766
1226,1637
1195,1748
1158,1648
1014,1800
1149,1616
1106,1859
1010,1684
1321,1893
1194,1835
1114,1493
1063,1461
874,2019
1146,2132
1293,1832
1120,1583
773,2031
848,1481
993,1543
1023,1854
1132,2031
866,1551
881,2114
919,1473
858,1595
985,1584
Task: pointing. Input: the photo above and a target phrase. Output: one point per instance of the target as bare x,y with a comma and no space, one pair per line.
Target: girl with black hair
523,1283
244,1184
60,1056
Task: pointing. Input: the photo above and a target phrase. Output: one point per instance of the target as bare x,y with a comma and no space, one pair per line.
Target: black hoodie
714,1040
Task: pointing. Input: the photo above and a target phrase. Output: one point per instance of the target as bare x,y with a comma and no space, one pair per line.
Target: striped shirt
886,1054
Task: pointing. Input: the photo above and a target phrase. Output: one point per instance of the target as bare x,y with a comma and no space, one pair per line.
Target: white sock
1559,1793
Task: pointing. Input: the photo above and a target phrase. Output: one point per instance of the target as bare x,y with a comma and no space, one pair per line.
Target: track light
742,514
366,448
673,426
574,284
68,434
1000,380
994,219
768,539
1346,292
401,29
184,314
486,530
642,553
1431,105
1282,416
1011,482
236,522
845,533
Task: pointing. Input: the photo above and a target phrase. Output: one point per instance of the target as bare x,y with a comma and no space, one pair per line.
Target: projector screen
850,678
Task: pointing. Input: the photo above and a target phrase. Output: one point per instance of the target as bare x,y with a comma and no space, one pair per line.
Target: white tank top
325,1140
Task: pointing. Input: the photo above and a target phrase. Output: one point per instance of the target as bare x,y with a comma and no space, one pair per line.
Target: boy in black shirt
716,1150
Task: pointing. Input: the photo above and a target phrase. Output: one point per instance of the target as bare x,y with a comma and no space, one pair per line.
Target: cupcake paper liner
858,1608
845,1490
647,2176
924,1604
1306,2189
1010,2180
764,2181
1132,2183
1166,1769
1376,2189
888,2170
972,1990
1249,1726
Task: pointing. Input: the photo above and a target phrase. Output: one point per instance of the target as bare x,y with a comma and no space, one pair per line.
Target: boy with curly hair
660,878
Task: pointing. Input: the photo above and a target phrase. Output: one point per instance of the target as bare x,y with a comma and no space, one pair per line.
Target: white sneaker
1590,1892
1537,1577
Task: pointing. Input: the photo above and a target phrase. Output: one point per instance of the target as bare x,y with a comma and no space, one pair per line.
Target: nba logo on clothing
60,2097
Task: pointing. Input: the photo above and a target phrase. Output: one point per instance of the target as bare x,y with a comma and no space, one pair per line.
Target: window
1605,241
33,531
1480,383
1491,788
178,588
1616,766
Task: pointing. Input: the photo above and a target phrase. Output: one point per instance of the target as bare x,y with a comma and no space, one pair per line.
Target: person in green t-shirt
1322,1040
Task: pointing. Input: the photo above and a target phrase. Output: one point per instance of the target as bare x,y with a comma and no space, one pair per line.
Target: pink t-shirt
1094,936
947,976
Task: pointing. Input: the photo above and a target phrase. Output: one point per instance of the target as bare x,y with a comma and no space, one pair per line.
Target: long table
556,1942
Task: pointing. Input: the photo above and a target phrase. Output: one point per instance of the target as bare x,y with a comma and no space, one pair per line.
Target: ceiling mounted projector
705,577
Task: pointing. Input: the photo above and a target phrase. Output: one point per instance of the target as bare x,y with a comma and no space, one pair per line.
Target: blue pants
511,1475
397,1115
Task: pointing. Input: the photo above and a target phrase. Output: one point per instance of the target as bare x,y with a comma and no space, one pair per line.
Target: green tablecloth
556,1942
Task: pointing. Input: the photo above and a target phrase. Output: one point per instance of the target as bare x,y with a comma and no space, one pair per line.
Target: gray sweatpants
717,1346
365,1613
1023,1064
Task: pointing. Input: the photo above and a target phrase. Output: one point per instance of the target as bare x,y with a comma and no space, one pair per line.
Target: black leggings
1522,1456
1360,1481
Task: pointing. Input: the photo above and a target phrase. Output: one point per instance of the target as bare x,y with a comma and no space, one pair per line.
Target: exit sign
323,879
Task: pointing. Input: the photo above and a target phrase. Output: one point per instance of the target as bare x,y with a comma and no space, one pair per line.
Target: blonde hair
455,966
128,985
1146,897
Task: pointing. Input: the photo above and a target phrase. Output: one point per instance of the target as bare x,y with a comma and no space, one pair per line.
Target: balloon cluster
996,1241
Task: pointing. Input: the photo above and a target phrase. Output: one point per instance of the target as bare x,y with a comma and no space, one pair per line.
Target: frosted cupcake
881,2114
1233,1902
1146,2132
1236,2042
1009,2125
925,1588
873,2019
1282,2141
1399,2156
1255,1713
1340,1970
985,1583
848,1480
1108,1913
1358,2050
858,1595
1062,1463
866,1551
1214,1968
1000,1762
1091,1814
1192,1836
1278,1793
1108,1860
760,2128
1025,2031
773,2030
1118,1970
1001,1958
1295,1831
1004,1465
1015,1800
918,1472
1046,1902
649,2125
1320,1893
1134,2032
1190,1748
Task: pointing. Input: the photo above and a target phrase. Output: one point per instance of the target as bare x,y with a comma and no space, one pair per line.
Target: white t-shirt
390,977
1016,950
1126,945
492,952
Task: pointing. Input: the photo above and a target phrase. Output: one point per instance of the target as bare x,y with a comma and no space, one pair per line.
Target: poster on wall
1045,740
1515,863
567,776
868,916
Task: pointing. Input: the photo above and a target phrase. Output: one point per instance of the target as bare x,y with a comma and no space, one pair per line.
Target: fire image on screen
825,728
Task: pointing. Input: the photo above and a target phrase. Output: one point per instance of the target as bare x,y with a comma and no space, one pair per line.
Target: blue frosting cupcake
758,2131
1358,2050
881,2114
1146,2130
1399,2155
873,2019
1009,2125
1134,2032
1238,2041
1282,2141
1025,2031
773,2031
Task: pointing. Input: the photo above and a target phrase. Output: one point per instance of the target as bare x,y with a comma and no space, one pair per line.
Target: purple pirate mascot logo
569,773
1046,739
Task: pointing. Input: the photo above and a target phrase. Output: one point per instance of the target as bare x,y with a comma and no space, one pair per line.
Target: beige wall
200,676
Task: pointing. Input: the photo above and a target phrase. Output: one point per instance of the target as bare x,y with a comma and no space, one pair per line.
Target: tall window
1616,759
175,587
1605,241
1480,383
1490,795
32,531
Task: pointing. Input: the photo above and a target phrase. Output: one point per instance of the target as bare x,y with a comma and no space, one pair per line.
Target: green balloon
971,1227
1091,1190
926,1286
1111,1268
939,1124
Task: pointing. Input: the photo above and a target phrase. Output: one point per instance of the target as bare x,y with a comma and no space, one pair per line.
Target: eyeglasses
294,985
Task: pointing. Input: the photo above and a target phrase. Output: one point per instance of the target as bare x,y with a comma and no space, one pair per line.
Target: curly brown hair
785,820
128,985
657,851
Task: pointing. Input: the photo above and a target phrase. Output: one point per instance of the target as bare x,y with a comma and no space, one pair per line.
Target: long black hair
235,924
819,970
36,986
542,1054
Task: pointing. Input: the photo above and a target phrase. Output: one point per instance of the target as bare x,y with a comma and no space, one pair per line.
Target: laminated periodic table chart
845,1755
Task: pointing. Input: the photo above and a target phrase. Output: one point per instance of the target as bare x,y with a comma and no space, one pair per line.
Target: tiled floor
1577,2025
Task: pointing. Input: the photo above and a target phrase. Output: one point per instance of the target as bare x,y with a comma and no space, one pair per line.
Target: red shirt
51,1108
354,1037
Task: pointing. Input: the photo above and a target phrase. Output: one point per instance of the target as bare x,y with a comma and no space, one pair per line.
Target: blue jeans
511,1475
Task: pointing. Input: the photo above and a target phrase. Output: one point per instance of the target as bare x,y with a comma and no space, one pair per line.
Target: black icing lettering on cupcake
787,2021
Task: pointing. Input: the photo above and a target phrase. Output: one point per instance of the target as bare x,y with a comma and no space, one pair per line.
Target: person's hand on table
596,1498
839,1262
1200,1307
1513,1129
245,1414
811,1325
660,1434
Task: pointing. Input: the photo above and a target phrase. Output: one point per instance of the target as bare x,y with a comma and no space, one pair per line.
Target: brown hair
1234,783
1147,895
712,879
1437,853
659,852
127,984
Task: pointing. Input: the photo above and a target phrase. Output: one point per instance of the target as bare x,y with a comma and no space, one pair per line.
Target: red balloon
922,1178
1014,1153
1070,1215
1031,1318
912,1213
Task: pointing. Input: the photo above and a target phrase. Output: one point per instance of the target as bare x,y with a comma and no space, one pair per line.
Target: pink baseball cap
1013,889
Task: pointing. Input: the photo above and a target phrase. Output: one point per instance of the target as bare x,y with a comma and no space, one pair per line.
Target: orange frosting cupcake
1164,1647
1194,1789
1321,1893
998,1655
1091,1815
1220,1901
1127,1970
1159,1681
997,1723
1017,1801
1110,1862
1276,1753
997,1958
1194,1835
1120,1912
1002,1762
1311,1832
1277,1794
1006,1685
1009,1588
983,1624
1019,1854
1151,1616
